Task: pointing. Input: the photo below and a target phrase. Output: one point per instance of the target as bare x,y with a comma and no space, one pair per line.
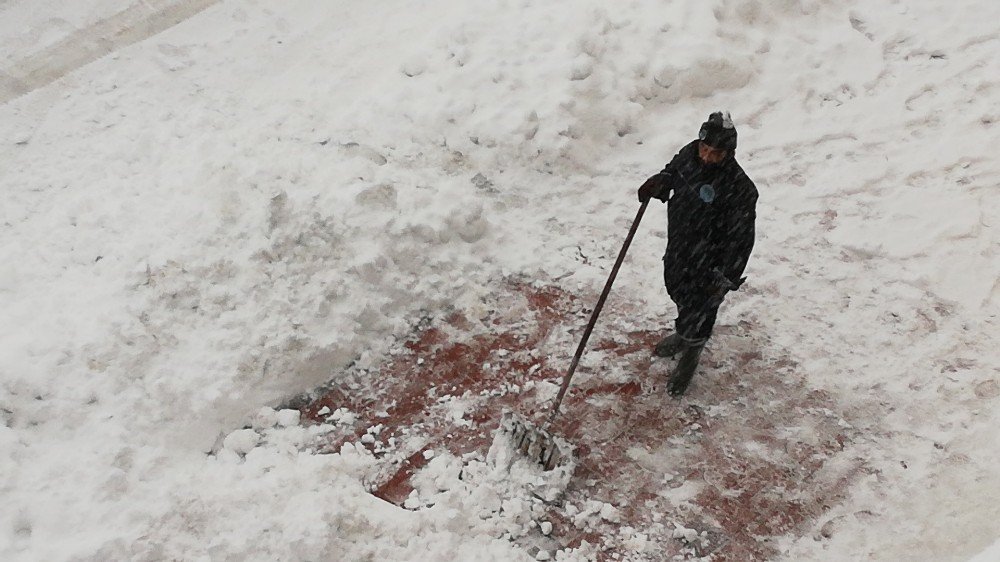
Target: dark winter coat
711,212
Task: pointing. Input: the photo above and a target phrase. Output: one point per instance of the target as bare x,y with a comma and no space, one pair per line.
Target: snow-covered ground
232,211
43,40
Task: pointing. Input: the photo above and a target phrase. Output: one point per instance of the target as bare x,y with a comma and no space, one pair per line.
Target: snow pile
299,506
192,233
525,468
503,499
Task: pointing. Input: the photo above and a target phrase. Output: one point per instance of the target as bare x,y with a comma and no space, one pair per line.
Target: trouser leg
696,314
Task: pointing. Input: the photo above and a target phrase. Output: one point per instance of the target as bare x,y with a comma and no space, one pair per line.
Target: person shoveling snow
711,211
711,208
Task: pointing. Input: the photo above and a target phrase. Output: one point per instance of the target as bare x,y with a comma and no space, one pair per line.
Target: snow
35,26
288,417
241,441
265,418
221,216
522,468
991,554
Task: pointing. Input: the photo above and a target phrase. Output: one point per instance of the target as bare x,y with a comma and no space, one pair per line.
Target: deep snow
230,212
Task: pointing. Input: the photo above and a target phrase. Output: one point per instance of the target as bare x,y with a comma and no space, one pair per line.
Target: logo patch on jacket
707,193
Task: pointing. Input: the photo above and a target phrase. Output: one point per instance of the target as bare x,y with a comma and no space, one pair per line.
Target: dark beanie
718,131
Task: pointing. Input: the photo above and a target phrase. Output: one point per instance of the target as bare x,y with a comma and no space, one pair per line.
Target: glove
651,188
723,283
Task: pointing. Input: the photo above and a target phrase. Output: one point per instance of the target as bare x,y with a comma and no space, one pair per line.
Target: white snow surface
219,217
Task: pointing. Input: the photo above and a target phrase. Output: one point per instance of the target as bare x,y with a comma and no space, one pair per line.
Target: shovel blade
537,443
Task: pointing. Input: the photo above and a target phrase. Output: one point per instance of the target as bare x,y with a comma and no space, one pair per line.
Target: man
711,208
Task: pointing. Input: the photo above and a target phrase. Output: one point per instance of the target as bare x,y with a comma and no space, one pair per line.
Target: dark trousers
697,306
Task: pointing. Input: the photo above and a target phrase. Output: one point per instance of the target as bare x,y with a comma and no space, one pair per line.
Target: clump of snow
265,418
440,474
241,441
633,540
414,66
342,416
610,513
592,513
288,417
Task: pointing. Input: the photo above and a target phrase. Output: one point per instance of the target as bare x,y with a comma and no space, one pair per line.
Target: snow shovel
538,442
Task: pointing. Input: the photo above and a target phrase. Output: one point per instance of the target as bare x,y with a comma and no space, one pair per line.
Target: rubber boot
684,371
669,346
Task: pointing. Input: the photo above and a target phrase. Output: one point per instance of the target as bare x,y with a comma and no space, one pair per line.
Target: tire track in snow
134,24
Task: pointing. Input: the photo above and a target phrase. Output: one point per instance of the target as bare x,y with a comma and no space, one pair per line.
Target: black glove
725,284
651,188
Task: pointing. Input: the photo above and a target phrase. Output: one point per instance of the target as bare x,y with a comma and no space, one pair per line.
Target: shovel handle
597,311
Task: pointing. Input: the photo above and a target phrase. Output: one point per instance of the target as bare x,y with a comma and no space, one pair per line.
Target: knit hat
718,131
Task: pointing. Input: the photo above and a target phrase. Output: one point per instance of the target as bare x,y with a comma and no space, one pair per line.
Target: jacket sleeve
740,233
668,177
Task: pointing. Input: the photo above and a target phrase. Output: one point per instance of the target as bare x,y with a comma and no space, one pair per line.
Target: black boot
669,346
684,371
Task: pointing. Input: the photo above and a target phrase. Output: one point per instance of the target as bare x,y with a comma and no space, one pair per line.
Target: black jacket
711,212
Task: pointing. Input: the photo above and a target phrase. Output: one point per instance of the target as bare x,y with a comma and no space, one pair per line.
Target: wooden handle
597,311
